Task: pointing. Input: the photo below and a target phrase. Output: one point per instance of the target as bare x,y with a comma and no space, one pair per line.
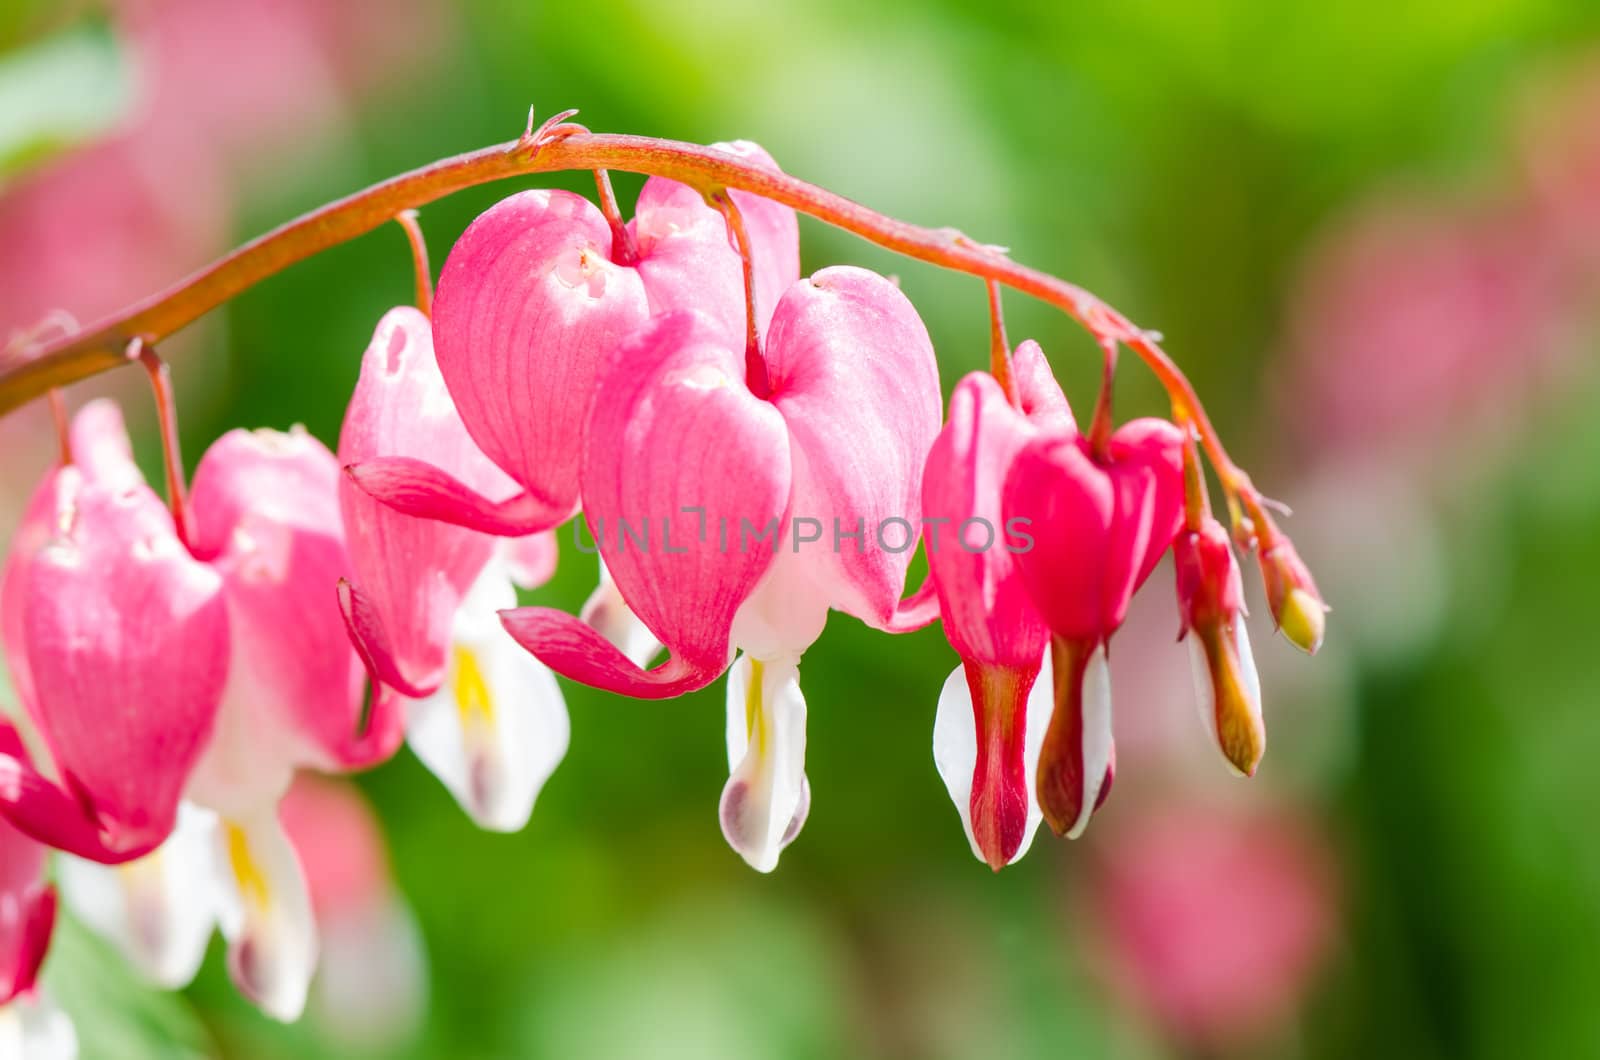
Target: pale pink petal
100,451
100,446
919,609
1042,400
531,560
411,572
852,371
529,306
267,514
127,642
371,992
774,232
687,260
681,453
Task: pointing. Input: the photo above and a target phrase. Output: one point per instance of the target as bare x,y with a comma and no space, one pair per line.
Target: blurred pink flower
106,225
253,76
1216,918
340,843
371,986
1410,317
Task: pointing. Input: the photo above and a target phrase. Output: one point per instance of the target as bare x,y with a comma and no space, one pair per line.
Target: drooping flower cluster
748,450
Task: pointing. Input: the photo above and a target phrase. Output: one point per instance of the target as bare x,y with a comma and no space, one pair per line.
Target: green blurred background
1413,873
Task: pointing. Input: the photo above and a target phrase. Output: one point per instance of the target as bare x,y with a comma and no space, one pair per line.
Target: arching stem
556,147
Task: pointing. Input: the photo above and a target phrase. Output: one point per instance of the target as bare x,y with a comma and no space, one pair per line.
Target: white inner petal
955,747
158,910
265,913
767,797
609,613
1096,734
498,726
33,1028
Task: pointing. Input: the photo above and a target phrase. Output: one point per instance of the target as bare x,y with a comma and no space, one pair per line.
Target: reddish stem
755,366
624,251
1100,427
1000,346
553,148
407,220
167,414
58,415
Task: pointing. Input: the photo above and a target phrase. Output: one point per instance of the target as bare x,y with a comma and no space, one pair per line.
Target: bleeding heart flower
994,707
704,495
266,510
267,523
30,1026
1099,523
421,606
119,638
533,299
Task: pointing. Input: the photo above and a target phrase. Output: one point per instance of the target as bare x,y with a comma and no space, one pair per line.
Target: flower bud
1211,603
1297,606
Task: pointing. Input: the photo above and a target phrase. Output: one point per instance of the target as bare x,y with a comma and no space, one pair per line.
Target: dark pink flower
994,708
1099,523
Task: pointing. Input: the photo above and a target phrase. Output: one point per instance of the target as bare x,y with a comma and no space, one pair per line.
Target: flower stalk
1000,346
755,365
407,220
172,455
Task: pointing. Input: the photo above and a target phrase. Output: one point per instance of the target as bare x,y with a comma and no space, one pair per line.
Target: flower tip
1302,618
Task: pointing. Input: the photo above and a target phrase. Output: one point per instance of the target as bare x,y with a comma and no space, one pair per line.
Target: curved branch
28,374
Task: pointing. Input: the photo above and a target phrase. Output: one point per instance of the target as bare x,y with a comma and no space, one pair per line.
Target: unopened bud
1297,606
1211,603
